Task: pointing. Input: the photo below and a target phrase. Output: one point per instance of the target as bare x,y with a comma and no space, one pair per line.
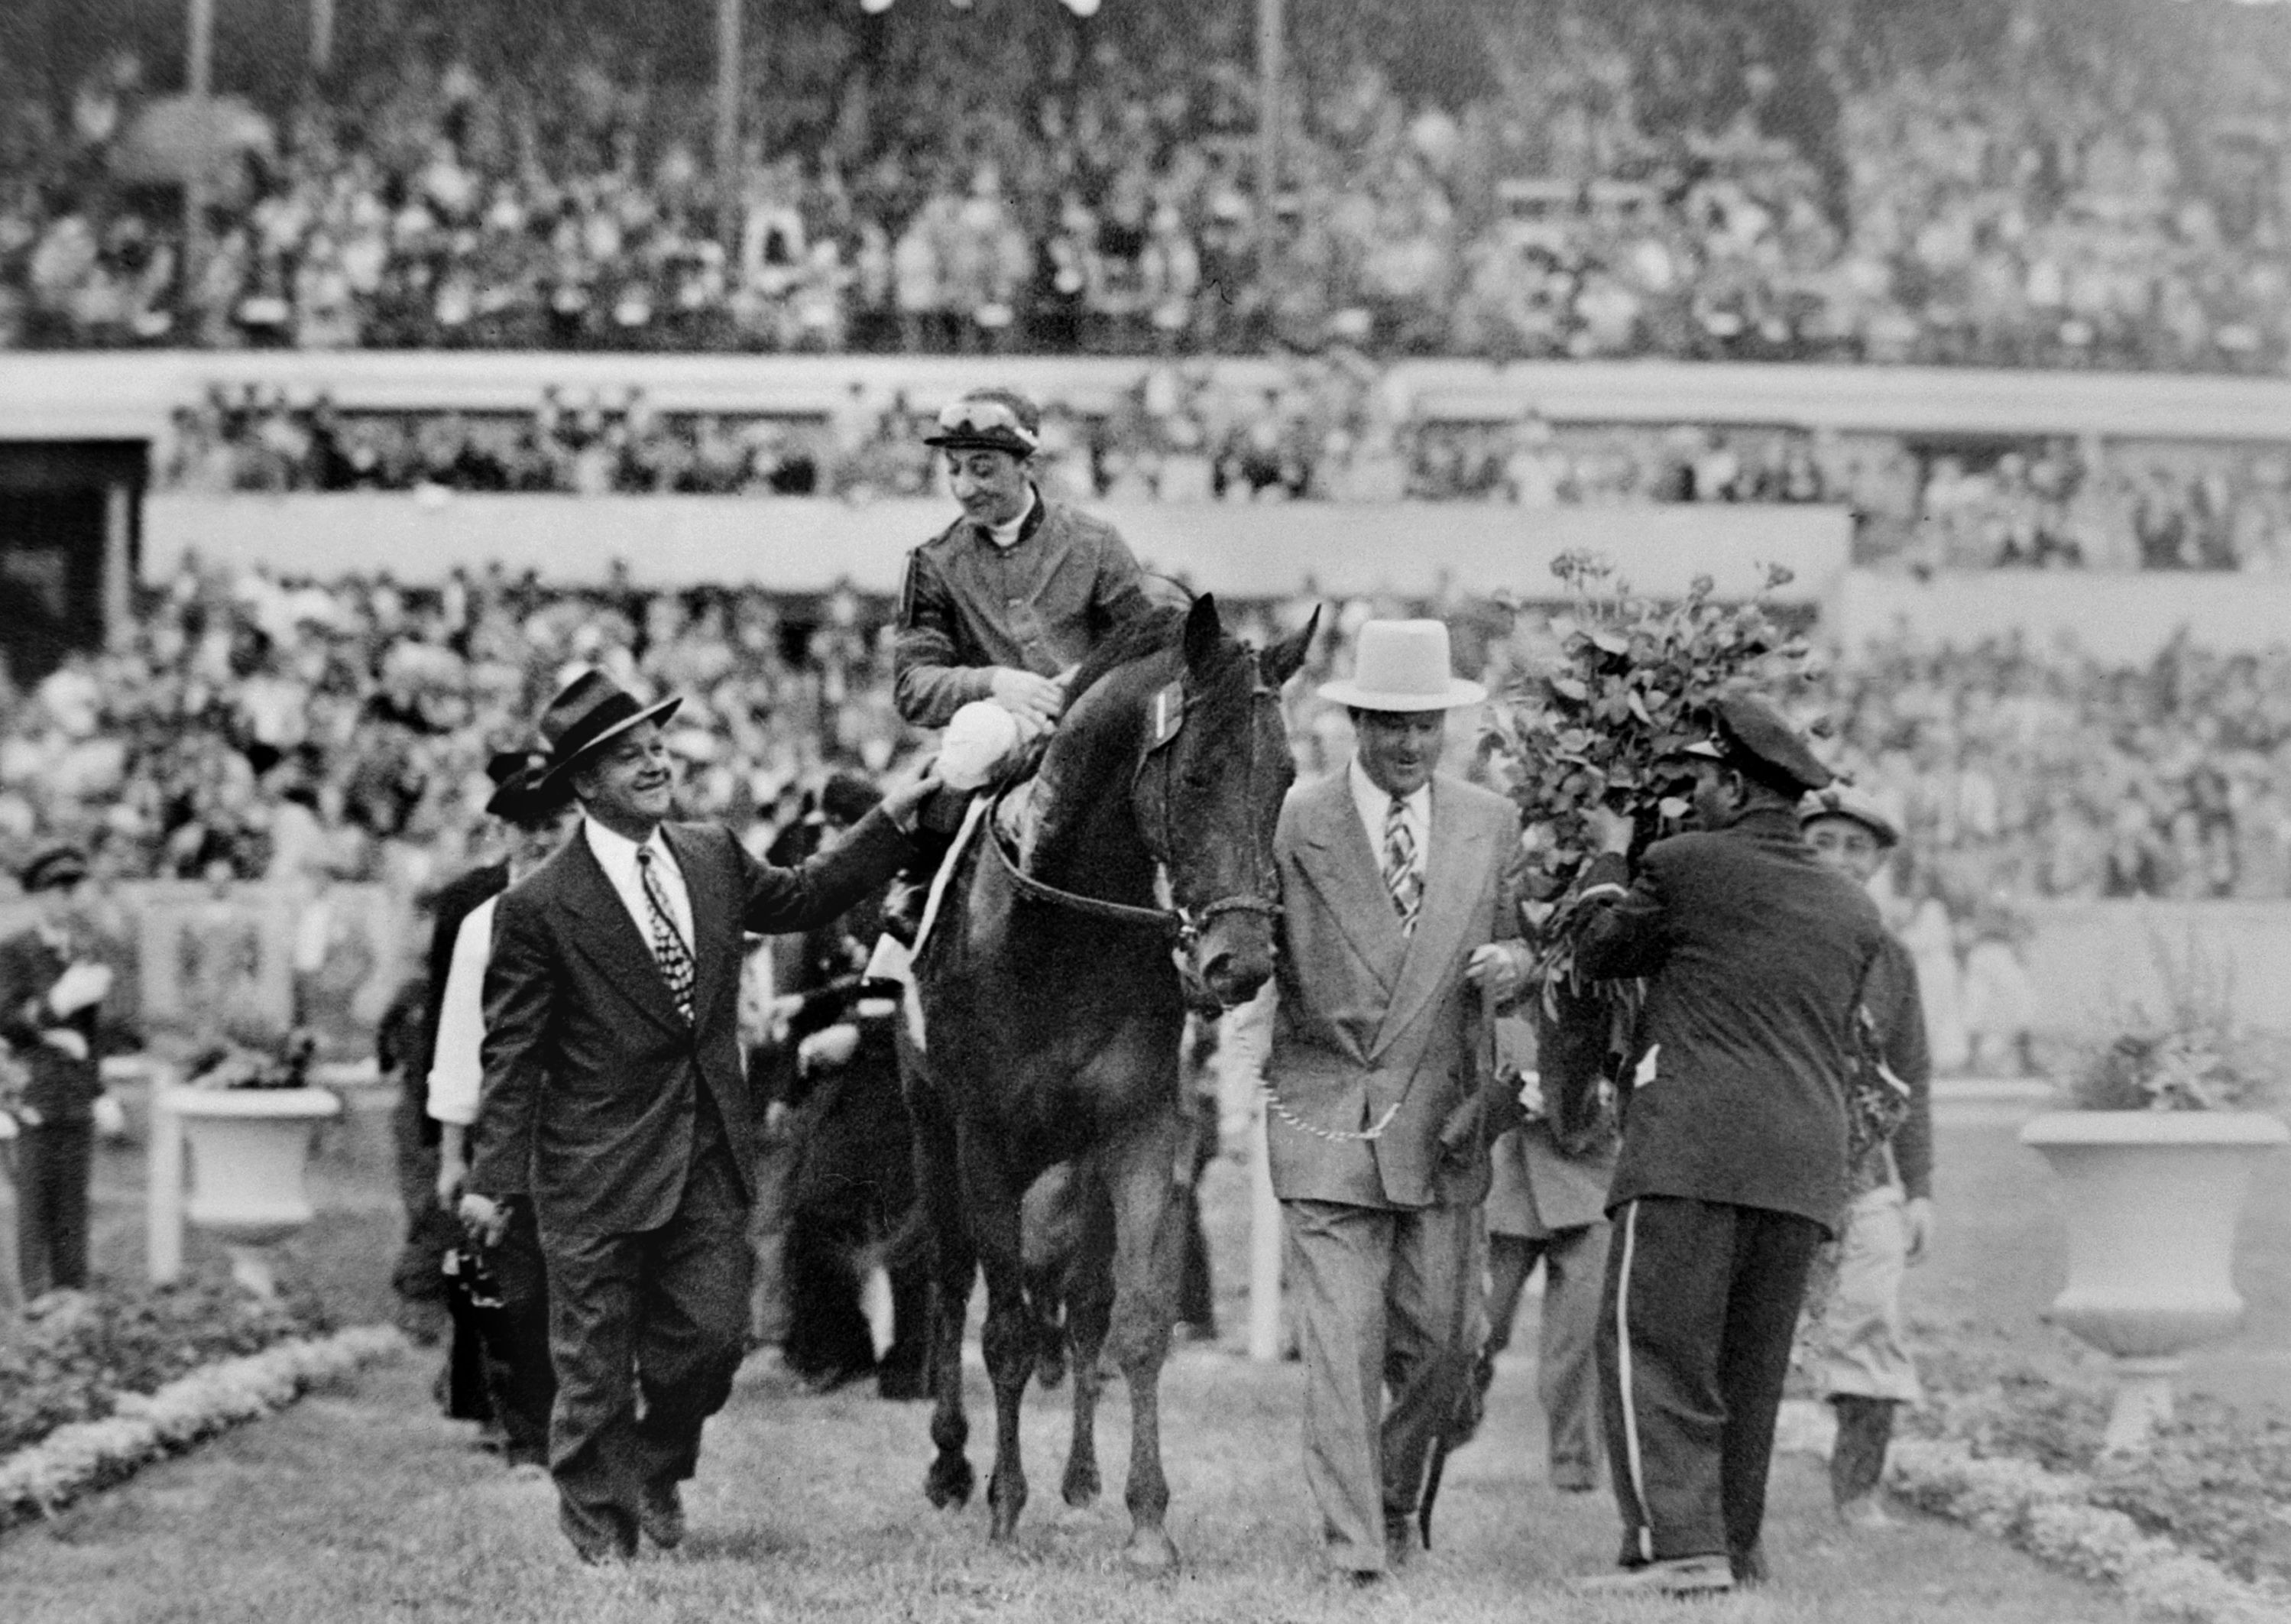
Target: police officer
1732,1165
1861,1363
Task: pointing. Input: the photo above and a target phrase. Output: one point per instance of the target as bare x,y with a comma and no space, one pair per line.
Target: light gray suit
1384,1233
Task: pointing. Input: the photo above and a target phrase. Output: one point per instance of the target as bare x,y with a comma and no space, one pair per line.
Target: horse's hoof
948,1483
1002,1527
1049,1370
1150,1553
1081,1486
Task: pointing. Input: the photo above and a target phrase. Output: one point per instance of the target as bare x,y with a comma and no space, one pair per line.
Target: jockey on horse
1002,602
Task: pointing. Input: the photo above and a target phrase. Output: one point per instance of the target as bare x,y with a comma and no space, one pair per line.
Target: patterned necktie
667,941
1402,876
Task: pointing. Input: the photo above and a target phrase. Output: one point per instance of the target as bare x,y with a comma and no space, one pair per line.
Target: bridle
1181,925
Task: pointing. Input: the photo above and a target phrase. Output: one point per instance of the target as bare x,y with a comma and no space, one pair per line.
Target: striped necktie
1404,877
668,946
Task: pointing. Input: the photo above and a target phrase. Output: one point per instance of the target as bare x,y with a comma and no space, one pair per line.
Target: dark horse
1053,1009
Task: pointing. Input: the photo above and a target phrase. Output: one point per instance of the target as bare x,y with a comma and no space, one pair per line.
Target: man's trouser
1695,1340
1566,1366
1386,1299
1858,1346
661,1316
53,1160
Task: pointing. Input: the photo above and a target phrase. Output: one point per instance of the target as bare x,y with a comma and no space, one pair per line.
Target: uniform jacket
1039,606
1754,952
592,1079
1364,1016
58,1090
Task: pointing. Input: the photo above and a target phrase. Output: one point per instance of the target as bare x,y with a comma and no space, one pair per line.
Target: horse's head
1209,793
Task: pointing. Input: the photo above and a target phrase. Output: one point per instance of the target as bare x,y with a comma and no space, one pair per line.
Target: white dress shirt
457,1071
1372,805
616,854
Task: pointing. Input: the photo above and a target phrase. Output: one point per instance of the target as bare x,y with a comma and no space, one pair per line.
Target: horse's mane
1150,630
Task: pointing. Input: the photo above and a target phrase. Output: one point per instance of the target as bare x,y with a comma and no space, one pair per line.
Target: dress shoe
902,1387
596,1547
660,1514
1865,1514
1673,1576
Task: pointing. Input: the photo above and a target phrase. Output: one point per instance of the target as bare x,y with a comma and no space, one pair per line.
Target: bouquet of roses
1631,683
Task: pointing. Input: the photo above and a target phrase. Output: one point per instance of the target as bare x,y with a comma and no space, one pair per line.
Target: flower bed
83,1456
2198,1527
79,1353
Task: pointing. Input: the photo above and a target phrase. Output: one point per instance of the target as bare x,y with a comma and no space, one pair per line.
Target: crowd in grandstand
1330,429
2046,182
254,728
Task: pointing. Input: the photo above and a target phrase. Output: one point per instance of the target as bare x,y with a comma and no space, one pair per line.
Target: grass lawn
361,1503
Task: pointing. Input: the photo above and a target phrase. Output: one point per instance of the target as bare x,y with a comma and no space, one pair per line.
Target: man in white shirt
520,1383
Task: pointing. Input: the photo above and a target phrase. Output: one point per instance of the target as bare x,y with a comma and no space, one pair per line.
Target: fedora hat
1402,665
517,797
588,714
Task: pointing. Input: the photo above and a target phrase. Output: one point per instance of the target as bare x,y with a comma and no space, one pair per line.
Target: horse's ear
1204,631
1283,660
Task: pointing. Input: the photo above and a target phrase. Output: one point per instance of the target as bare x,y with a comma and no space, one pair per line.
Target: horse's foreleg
1087,1282
1141,1173
1007,1337
938,1195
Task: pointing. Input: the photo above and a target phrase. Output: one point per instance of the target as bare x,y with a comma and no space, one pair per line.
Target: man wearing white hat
1399,889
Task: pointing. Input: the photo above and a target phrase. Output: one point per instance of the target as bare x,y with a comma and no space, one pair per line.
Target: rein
1180,926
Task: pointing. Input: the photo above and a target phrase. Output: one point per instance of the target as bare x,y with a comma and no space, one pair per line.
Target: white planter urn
2151,1199
247,1150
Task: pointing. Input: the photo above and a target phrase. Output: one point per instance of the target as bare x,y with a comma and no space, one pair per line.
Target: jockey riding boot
1857,1462
936,827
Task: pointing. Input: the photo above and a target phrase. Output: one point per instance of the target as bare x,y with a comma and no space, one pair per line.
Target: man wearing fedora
615,1100
1731,1169
49,993
512,1333
1400,926
1861,1363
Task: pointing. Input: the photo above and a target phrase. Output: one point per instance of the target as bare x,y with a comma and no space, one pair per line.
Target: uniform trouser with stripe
1695,1340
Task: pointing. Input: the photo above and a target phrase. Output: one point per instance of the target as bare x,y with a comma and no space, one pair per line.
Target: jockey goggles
986,424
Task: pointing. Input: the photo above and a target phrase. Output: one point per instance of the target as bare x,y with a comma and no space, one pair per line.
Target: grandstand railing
129,395
1273,550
